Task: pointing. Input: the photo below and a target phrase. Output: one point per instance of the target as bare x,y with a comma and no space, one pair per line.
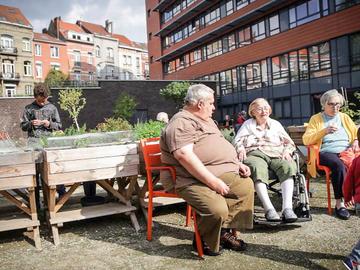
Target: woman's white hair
329,95
256,102
196,93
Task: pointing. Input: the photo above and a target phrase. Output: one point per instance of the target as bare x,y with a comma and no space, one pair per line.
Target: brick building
49,53
286,51
16,56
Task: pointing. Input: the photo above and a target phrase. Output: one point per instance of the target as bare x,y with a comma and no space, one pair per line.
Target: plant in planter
124,106
175,91
149,129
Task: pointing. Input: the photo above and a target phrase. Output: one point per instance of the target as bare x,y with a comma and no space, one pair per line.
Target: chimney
57,26
109,26
44,30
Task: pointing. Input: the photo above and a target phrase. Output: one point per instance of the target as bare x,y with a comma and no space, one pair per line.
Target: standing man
40,118
209,175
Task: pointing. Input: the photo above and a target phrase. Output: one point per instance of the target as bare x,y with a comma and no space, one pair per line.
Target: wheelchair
301,204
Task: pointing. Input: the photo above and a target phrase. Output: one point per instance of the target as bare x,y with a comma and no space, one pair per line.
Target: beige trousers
234,210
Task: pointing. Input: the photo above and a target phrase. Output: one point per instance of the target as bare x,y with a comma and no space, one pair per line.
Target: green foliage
73,130
124,106
55,78
175,91
113,124
149,129
71,101
353,113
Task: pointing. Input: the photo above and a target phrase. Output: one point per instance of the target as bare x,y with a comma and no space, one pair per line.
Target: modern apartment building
16,55
288,52
47,51
80,49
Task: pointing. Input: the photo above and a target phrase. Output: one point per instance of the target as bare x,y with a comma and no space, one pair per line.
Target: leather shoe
229,241
206,249
342,213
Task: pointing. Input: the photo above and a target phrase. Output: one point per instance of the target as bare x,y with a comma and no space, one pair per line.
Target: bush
113,124
55,78
124,106
175,91
149,129
73,130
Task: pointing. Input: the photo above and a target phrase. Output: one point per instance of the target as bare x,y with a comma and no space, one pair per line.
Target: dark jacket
34,111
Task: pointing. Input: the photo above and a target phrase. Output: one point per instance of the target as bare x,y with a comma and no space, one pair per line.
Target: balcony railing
110,59
9,76
8,50
77,64
76,83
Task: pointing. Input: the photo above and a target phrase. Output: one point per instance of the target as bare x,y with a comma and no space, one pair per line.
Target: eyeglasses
262,109
332,104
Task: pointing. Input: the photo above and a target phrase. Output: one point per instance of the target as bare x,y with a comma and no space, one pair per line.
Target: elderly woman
263,144
333,132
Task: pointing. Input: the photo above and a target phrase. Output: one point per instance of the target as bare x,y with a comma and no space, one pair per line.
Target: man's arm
25,123
187,158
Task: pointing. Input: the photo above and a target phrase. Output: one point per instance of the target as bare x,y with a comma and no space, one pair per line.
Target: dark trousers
338,171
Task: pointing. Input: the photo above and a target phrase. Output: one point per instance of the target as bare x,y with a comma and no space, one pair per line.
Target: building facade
288,52
80,49
49,53
16,53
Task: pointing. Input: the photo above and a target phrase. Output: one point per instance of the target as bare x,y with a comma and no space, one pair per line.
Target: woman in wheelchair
262,144
333,133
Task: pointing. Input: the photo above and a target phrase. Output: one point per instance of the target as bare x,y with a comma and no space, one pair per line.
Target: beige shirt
210,146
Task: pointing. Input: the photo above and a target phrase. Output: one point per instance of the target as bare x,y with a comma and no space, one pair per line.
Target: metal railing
9,76
11,50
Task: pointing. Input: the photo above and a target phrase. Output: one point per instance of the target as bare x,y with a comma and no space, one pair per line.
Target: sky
128,16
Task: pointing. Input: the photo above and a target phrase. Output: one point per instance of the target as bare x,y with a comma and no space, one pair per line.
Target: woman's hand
242,154
244,170
331,129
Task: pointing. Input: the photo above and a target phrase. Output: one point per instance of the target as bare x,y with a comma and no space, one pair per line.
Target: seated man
207,172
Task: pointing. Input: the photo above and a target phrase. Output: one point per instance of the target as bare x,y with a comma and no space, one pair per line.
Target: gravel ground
111,243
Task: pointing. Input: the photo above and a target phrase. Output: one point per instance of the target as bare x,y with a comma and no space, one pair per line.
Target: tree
124,106
71,101
175,91
352,109
55,78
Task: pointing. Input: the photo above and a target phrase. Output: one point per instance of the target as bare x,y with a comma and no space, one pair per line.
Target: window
77,75
226,82
38,70
77,58
342,4
212,16
27,68
97,51
54,52
244,37
294,66
55,66
129,60
37,49
280,69
303,65
124,60
253,75
241,3
137,62
274,25
355,51
195,57
303,13
229,43
282,108
90,58
7,41
26,45
91,76
319,59
8,68
28,90
258,31
110,53
229,7
10,90
213,49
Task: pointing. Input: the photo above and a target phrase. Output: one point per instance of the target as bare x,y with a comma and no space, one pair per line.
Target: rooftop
13,15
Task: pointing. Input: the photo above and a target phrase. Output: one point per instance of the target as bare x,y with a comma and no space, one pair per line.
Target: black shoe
342,213
206,249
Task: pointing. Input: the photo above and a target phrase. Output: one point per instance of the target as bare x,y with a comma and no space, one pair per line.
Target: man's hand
244,170
286,156
36,122
46,123
220,187
242,155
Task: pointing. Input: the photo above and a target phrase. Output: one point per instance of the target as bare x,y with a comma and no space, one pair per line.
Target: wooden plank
17,170
92,164
91,175
90,212
20,204
162,201
15,223
17,182
89,152
16,158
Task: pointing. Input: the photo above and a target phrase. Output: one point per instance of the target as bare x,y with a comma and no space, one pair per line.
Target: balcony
8,50
110,59
11,76
77,64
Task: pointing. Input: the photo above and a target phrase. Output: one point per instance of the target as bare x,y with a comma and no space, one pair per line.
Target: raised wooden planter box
17,185
296,133
101,164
